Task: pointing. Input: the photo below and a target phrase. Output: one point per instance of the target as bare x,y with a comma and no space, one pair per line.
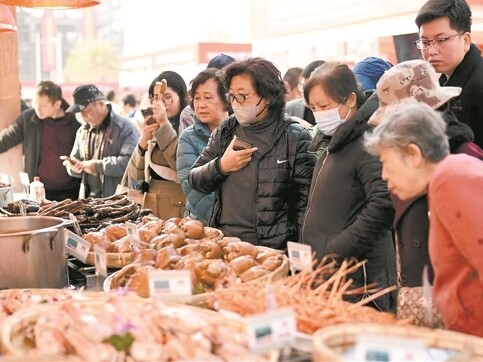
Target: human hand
89,166
72,164
232,160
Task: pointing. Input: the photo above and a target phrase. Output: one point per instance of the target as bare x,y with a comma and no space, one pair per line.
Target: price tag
300,256
133,234
387,348
76,246
75,224
170,284
272,330
24,178
101,261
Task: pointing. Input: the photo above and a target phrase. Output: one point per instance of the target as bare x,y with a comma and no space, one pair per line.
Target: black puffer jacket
468,106
349,211
282,189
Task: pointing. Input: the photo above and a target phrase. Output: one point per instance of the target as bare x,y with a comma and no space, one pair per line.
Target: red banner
48,35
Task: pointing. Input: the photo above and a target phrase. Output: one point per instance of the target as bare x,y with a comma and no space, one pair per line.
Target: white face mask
329,120
247,115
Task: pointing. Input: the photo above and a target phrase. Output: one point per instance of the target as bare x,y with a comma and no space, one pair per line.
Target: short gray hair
417,124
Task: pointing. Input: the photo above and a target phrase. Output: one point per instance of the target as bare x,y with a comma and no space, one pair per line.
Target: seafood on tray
316,297
122,329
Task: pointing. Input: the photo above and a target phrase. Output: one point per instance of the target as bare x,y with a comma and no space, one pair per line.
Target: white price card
133,234
299,255
170,284
376,347
271,330
24,178
100,257
77,246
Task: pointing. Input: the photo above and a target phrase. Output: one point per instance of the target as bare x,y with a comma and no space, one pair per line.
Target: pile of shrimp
316,296
123,329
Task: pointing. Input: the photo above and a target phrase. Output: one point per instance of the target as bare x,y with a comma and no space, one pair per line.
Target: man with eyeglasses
445,42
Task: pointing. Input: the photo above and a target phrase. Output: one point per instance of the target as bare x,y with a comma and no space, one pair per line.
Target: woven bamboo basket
17,346
330,343
120,260
201,299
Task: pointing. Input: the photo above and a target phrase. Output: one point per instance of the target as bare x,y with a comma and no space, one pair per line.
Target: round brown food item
145,257
139,281
115,231
194,229
97,238
254,273
242,264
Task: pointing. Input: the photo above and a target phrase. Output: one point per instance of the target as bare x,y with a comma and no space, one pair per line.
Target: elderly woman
211,108
154,160
349,211
257,160
413,148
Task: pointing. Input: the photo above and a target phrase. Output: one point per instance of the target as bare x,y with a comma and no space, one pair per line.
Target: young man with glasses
445,42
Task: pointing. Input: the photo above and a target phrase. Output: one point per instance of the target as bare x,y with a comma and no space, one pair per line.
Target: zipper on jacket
312,193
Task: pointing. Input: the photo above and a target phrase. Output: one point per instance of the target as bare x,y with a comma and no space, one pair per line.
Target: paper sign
76,246
24,178
170,284
387,348
272,330
300,256
133,234
100,260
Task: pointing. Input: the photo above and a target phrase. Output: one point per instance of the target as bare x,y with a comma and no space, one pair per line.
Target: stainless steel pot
6,196
32,252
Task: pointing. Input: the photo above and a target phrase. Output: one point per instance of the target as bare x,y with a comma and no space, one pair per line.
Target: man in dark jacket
261,184
46,133
445,42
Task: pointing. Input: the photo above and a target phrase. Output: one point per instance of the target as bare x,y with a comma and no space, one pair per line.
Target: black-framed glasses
436,42
240,98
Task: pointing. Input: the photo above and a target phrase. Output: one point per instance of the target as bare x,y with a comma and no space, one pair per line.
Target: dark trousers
60,195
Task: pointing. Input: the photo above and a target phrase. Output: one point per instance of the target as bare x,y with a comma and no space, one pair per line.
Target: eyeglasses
240,98
424,44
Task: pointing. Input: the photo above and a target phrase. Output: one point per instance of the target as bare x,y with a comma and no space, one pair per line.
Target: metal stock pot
6,196
32,252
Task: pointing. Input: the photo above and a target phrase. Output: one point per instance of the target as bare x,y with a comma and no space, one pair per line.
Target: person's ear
57,104
414,155
467,40
351,101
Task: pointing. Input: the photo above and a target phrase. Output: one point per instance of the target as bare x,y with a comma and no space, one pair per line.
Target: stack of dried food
91,213
185,244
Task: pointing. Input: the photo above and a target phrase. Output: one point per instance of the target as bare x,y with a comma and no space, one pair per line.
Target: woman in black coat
262,183
349,212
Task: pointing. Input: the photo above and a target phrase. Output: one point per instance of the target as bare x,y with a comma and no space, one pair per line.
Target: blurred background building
124,44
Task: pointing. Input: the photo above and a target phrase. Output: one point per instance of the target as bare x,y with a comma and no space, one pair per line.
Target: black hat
83,95
220,61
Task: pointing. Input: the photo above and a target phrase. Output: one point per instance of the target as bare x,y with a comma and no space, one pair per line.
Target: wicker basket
15,328
201,299
330,343
120,260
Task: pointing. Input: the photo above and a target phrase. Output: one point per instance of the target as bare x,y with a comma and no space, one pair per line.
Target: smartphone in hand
241,144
